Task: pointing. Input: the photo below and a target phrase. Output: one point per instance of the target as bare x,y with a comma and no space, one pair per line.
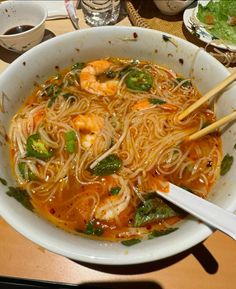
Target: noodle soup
93,143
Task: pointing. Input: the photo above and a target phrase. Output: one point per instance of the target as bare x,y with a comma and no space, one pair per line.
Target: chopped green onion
70,137
54,97
26,172
89,228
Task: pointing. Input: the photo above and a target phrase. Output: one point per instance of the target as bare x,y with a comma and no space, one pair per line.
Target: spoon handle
208,212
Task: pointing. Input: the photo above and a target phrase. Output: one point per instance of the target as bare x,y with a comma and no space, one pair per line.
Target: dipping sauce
18,29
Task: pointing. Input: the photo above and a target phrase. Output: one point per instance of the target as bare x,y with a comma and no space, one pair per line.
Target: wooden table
210,265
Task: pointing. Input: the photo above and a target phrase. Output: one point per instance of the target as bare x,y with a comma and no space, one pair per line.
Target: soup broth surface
93,143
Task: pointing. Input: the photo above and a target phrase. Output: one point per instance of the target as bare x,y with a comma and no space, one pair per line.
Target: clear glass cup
100,12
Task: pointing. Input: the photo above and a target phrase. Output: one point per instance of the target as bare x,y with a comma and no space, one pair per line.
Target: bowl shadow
200,252
123,285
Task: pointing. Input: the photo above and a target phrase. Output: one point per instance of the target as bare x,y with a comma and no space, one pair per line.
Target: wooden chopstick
208,95
213,126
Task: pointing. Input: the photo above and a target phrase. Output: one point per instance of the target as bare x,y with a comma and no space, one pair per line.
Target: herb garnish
153,209
157,233
130,242
156,101
187,83
3,181
21,196
78,65
226,164
107,166
166,38
91,229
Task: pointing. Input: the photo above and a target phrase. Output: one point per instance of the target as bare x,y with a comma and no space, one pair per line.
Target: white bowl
18,13
42,61
172,7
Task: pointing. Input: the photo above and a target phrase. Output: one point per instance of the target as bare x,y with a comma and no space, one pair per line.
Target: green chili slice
139,80
35,147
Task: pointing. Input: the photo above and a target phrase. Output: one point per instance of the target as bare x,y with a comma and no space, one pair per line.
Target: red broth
93,143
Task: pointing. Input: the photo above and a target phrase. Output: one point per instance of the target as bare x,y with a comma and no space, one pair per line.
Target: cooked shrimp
38,117
142,104
146,104
89,82
110,207
88,123
88,140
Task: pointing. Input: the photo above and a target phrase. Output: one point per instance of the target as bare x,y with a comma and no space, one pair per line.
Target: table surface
211,264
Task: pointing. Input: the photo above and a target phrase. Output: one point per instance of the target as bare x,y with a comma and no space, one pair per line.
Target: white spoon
207,212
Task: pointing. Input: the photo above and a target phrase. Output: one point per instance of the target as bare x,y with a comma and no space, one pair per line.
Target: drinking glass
100,12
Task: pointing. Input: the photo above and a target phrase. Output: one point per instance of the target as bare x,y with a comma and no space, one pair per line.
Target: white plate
192,24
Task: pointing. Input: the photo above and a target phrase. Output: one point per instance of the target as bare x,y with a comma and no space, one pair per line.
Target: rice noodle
150,143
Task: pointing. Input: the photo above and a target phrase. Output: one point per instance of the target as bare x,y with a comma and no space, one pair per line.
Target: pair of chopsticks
212,127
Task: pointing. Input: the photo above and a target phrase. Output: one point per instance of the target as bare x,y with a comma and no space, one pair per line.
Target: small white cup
18,13
172,7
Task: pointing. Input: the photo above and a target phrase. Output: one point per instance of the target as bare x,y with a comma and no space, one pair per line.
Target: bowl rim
203,230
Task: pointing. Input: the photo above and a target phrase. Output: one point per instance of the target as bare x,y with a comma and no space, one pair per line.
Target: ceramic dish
196,28
172,7
42,61
15,14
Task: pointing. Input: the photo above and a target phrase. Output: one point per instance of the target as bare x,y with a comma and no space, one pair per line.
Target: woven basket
145,14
